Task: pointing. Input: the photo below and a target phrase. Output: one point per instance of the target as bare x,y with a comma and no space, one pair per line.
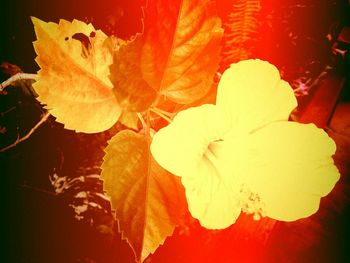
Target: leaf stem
148,124
169,114
14,78
142,120
163,114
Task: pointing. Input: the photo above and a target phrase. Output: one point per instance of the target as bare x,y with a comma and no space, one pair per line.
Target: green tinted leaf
148,201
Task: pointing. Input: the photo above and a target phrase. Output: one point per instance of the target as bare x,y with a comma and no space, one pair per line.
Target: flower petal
291,168
187,148
179,146
211,201
253,94
213,191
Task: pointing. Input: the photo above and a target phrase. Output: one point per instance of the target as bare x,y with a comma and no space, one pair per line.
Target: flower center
251,203
223,160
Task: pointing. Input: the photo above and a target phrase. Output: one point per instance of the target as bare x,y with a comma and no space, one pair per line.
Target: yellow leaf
129,119
73,79
176,56
132,91
148,201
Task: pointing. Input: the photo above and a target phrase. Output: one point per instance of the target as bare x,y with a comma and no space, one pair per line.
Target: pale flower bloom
243,154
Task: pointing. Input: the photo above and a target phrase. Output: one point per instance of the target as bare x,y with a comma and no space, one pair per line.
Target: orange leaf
129,119
148,201
73,79
176,56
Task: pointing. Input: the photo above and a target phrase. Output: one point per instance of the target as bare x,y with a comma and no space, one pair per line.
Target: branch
14,78
19,140
36,189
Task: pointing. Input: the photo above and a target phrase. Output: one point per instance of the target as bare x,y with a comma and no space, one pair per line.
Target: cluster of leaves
90,81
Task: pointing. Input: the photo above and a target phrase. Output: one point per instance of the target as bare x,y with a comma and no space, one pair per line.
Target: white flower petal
190,147
213,190
179,146
253,94
291,168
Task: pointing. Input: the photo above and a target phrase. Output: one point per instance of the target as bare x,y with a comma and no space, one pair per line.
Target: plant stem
142,120
162,114
169,114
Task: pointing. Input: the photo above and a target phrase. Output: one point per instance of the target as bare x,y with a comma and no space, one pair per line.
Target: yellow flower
243,154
